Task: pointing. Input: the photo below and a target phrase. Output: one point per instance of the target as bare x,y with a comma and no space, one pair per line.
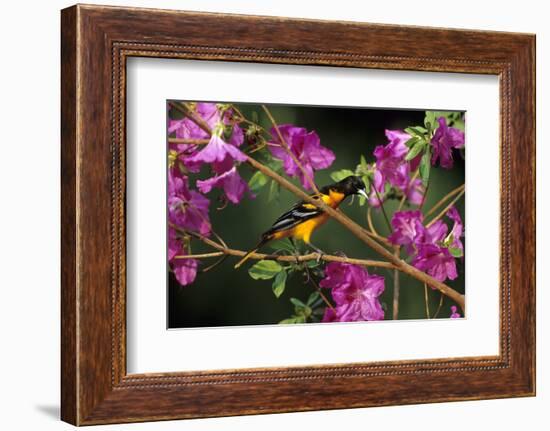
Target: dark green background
225,296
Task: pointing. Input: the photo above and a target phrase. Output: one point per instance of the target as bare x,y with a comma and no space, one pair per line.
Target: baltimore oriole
303,218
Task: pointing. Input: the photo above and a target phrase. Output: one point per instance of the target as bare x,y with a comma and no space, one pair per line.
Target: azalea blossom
408,230
424,243
454,313
185,270
187,209
186,128
233,185
436,261
218,153
407,227
392,168
434,233
305,146
457,230
355,292
443,141
390,159
414,191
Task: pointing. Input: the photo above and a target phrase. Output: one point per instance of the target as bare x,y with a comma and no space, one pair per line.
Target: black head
352,185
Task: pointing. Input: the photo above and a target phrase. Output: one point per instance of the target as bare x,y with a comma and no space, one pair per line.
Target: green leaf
297,303
312,264
257,181
412,142
274,191
264,270
306,312
425,165
282,244
341,174
416,131
458,124
273,164
363,163
455,252
453,118
293,320
367,182
312,298
430,120
415,150
279,283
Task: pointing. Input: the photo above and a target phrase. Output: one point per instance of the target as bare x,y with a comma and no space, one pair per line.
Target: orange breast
304,230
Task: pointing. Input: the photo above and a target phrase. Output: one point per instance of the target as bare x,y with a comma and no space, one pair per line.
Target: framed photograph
322,214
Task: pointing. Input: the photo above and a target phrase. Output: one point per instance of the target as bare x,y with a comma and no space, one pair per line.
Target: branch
396,288
188,141
280,258
373,232
444,199
185,109
444,210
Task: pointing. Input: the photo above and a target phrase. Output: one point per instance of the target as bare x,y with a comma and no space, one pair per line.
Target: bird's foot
320,253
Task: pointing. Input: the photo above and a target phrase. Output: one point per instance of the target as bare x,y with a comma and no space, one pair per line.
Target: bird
304,218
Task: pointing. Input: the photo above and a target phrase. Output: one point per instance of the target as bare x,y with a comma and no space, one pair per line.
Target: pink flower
454,314
414,191
433,234
424,243
306,147
219,154
407,227
390,160
185,270
444,140
187,209
392,168
186,129
231,182
355,292
408,230
436,261
458,228
398,138
377,190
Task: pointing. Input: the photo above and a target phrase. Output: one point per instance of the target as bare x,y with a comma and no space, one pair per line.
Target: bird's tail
255,249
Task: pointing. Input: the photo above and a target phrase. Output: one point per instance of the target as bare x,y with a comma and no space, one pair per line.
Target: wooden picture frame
95,43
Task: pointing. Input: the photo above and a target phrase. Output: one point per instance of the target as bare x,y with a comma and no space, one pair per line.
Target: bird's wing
300,212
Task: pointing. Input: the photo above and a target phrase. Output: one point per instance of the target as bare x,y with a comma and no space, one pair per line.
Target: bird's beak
363,193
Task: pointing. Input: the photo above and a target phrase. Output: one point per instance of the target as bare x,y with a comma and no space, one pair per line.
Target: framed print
325,214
